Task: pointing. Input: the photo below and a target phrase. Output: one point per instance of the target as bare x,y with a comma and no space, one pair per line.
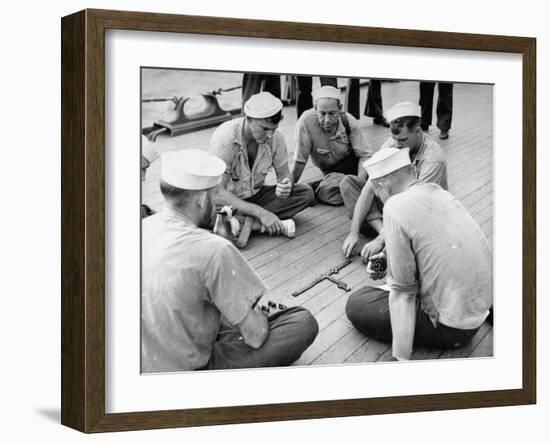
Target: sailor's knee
352,308
304,191
308,327
346,183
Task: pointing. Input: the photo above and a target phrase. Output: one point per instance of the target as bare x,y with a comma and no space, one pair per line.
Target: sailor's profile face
262,129
328,113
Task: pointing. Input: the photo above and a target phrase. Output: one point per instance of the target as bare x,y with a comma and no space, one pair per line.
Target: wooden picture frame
83,220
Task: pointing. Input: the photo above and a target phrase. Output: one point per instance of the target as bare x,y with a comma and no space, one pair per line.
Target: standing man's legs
252,84
373,107
444,108
353,95
304,101
426,103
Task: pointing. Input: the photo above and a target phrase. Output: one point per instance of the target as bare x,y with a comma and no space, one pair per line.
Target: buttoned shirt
191,280
436,249
327,150
228,143
429,162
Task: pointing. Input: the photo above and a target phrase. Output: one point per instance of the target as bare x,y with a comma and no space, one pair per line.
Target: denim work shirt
191,281
429,162
327,150
228,143
436,250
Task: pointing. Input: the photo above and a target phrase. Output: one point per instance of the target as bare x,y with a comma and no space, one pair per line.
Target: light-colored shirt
228,143
429,162
191,279
437,250
327,150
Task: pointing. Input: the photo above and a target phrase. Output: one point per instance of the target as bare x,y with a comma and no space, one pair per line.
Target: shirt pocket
260,174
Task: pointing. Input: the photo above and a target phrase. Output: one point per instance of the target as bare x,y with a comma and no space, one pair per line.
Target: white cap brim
405,109
326,92
386,161
192,169
262,105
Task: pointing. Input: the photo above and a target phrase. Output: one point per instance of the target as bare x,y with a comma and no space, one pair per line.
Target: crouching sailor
440,265
199,295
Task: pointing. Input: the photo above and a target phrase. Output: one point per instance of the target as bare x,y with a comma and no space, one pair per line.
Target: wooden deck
286,265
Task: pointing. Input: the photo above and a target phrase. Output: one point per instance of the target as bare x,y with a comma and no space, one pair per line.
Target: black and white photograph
299,220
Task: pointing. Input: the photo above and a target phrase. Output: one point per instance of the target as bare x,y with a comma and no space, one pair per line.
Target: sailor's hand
271,222
372,248
350,244
377,266
284,187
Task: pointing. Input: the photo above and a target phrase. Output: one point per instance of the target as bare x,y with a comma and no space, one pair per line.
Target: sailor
439,264
251,146
428,162
199,295
333,140
148,155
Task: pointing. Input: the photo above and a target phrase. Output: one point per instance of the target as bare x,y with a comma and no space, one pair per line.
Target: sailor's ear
203,197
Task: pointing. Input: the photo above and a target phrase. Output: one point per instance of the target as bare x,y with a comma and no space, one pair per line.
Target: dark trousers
291,332
256,83
373,107
369,312
304,100
300,198
444,109
328,190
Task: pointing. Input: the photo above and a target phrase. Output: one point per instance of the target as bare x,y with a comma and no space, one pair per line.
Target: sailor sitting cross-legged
199,294
333,140
251,146
439,264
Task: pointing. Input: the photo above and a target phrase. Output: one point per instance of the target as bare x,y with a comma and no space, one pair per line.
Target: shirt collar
170,212
415,182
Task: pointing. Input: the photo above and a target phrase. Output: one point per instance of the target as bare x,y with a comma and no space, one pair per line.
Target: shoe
381,121
444,134
289,228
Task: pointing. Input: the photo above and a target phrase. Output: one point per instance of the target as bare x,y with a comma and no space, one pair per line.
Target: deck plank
369,351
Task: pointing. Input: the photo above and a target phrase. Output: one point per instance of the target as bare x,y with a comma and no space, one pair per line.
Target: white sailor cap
386,161
191,169
326,92
148,150
404,109
262,105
